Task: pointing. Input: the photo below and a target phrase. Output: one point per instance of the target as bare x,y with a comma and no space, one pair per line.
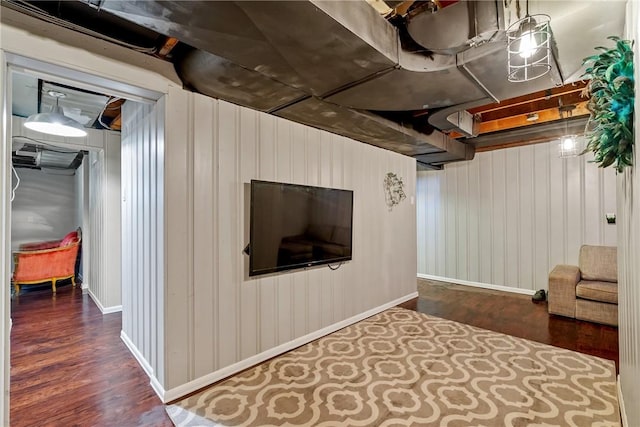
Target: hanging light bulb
55,122
528,45
568,146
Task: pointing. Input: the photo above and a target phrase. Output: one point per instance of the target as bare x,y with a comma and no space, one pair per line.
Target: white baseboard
146,367
139,357
623,412
478,284
104,310
191,386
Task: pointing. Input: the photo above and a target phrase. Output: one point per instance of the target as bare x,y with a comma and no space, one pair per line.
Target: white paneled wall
142,233
95,277
508,216
113,224
629,260
44,207
104,278
216,316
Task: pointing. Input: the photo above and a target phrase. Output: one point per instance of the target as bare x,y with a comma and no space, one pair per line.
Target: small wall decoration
393,190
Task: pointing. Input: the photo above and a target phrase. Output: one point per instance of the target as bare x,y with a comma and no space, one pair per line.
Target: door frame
9,63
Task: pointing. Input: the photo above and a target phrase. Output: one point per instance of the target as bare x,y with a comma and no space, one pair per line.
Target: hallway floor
69,366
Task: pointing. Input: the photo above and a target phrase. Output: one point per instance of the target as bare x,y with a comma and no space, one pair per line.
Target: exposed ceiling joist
543,116
540,96
538,105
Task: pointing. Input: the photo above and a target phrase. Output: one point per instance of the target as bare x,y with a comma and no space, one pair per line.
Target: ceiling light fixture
529,47
55,122
568,146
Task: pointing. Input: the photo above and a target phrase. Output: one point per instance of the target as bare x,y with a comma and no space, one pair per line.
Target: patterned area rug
403,368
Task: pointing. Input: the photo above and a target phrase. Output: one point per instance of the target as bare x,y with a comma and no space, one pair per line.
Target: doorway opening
61,186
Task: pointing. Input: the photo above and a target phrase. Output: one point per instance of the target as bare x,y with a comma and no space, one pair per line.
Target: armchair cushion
562,290
40,246
598,291
69,239
599,263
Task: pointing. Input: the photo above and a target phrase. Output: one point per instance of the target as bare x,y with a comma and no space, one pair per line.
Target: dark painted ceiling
394,81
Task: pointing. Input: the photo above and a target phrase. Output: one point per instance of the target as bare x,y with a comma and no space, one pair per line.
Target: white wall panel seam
534,269
467,217
601,209
518,245
582,202
565,210
258,281
504,225
492,214
190,140
216,221
237,195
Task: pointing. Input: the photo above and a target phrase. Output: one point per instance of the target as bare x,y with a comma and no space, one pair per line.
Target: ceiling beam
544,116
521,120
529,134
543,95
116,124
535,106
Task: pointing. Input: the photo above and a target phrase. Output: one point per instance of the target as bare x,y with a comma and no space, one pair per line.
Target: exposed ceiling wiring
13,190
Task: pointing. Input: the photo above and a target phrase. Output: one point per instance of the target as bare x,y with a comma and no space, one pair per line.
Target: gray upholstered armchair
588,291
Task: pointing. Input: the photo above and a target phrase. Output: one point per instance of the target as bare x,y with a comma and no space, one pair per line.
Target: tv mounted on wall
298,226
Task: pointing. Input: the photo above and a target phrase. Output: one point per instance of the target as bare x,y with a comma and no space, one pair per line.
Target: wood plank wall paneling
217,316
508,216
142,231
628,185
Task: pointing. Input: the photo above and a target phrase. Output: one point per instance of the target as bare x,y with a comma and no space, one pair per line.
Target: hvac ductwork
334,64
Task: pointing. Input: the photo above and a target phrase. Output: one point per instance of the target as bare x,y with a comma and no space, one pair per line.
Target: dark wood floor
516,315
70,368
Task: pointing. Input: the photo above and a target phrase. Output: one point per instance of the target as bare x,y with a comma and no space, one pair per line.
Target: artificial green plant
610,134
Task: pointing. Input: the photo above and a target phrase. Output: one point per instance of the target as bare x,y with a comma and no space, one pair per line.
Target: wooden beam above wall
530,110
548,96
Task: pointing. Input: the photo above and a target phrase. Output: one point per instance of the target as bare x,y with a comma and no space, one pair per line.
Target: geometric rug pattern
401,368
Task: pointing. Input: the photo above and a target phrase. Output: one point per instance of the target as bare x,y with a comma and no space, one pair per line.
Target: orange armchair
46,265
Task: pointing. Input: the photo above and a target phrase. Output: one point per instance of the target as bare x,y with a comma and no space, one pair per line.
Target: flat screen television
298,226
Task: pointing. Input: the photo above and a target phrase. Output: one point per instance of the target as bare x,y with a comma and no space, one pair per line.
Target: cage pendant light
568,145
529,47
